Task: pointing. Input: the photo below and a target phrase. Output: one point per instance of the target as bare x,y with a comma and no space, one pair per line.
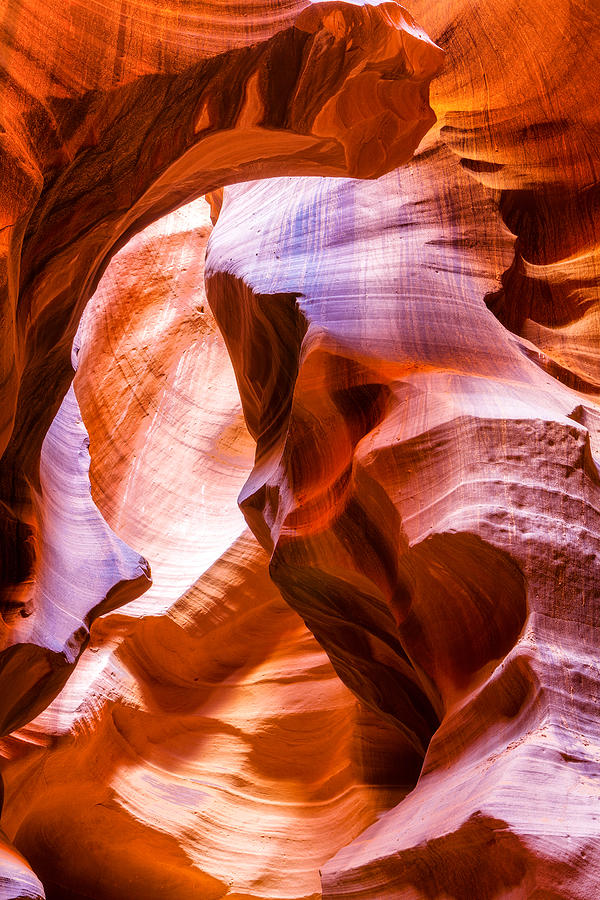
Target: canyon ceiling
299,450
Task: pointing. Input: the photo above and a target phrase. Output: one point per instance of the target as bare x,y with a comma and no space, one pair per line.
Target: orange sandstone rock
113,115
17,881
212,752
204,746
417,362
429,497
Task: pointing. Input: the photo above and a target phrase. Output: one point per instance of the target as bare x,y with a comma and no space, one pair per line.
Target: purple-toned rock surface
389,690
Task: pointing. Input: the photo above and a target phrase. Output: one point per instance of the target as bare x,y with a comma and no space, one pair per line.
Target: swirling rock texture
112,115
204,747
427,492
207,752
417,361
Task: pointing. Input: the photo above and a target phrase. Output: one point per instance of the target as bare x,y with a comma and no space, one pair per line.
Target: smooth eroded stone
113,116
429,499
204,746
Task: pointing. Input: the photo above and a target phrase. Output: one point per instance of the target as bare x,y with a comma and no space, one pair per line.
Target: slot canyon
299,450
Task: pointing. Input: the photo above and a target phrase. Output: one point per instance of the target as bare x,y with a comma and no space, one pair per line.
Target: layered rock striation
412,425
427,491
429,498
114,115
204,747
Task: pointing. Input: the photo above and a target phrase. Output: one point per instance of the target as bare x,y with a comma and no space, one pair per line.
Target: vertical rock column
430,501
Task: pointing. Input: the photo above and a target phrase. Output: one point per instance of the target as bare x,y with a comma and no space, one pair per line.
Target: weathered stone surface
17,880
417,360
84,570
204,746
430,501
210,751
115,114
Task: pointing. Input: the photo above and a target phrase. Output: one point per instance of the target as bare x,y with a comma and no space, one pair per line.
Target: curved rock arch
551,427
100,139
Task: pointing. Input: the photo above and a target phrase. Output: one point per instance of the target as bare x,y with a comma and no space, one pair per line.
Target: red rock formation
116,114
17,879
429,498
517,105
213,752
417,361
84,570
429,495
204,746
170,450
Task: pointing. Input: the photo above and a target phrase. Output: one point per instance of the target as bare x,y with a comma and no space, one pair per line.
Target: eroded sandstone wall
114,115
416,358
204,746
427,491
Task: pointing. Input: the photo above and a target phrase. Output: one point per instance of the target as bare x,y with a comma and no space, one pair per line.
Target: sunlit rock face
379,679
84,570
114,115
170,449
517,105
18,881
204,746
428,492
210,751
